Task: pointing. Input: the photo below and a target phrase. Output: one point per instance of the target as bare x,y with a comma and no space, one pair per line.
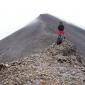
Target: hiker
60,33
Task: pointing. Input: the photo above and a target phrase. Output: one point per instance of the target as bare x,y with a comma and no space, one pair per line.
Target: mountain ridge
36,36
55,65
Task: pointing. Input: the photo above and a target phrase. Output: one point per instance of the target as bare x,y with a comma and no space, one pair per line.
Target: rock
61,60
56,65
3,66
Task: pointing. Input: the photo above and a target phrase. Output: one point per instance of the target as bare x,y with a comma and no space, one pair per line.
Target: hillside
55,65
38,35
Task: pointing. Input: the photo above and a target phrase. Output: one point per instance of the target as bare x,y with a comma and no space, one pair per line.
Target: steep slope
55,65
30,39
72,33
36,36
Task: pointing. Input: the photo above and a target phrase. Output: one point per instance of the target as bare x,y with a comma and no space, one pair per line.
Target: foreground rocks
56,65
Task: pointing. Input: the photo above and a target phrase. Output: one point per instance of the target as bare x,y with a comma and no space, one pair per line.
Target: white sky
14,14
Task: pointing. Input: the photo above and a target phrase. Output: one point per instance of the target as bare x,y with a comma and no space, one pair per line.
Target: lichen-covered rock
56,65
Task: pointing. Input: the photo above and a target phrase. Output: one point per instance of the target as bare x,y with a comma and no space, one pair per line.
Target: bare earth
55,65
36,36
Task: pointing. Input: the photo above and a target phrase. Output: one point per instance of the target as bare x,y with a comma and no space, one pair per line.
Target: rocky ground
56,65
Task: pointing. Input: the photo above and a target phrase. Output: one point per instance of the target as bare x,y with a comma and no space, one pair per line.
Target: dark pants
59,39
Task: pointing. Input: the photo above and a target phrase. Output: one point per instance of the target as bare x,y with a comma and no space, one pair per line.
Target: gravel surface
55,65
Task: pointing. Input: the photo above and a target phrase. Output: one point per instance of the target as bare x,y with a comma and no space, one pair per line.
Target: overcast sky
14,14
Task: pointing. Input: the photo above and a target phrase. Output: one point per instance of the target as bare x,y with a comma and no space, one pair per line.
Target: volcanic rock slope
55,65
37,36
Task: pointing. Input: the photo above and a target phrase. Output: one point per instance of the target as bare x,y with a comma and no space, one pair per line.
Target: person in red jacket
60,33
61,29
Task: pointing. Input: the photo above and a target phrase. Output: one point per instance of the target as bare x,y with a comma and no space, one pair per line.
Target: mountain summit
31,56
36,36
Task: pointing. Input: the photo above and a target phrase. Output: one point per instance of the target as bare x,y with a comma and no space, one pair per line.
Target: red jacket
60,33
